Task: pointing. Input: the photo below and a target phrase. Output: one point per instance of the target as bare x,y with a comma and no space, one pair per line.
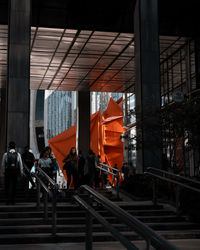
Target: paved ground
182,245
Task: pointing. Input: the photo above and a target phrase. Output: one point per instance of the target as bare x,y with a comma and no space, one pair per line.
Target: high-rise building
59,112
100,100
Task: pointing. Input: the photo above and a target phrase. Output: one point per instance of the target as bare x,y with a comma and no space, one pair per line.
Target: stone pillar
147,61
197,62
18,73
83,121
2,128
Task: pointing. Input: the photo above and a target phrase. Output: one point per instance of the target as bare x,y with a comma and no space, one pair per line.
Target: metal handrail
52,182
174,175
106,171
47,191
147,233
113,174
169,180
174,182
116,169
41,182
91,212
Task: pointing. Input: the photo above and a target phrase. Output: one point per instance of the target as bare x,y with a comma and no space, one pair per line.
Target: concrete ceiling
176,17
80,44
66,59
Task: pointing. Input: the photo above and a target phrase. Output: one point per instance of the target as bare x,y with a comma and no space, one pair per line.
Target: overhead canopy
71,59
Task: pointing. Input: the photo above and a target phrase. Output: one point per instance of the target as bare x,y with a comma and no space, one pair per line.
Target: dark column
18,73
2,128
197,62
83,121
147,61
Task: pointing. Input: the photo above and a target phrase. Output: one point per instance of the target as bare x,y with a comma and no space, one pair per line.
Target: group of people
15,166
83,169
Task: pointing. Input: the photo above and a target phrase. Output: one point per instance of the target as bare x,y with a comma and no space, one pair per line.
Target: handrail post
154,192
88,242
54,216
102,179
177,199
117,186
38,195
45,206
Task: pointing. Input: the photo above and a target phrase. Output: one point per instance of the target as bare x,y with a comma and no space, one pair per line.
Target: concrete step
65,220
26,206
77,227
33,213
22,223
80,237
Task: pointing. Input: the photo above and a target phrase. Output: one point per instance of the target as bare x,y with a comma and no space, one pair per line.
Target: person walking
45,163
54,165
81,166
97,172
71,168
28,160
12,168
91,161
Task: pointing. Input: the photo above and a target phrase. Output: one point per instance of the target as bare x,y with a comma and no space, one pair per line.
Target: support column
83,121
18,73
2,129
197,62
147,61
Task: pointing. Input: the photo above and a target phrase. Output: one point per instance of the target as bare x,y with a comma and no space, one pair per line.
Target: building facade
60,112
100,100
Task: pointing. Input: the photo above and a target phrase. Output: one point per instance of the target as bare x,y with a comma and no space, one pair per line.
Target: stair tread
83,225
170,232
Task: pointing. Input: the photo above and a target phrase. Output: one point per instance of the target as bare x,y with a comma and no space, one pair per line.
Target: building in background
100,100
52,112
37,141
60,112
129,136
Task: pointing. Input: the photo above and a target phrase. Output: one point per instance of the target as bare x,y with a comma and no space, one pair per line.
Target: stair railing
162,175
54,188
116,174
149,236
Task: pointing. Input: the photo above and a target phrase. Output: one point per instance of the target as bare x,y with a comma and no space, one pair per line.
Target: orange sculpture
105,132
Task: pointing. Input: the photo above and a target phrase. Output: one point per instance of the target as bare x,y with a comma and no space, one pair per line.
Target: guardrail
112,173
150,237
170,180
44,185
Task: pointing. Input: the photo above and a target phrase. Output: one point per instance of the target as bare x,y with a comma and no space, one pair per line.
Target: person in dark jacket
71,167
97,172
54,166
12,168
81,166
28,159
91,161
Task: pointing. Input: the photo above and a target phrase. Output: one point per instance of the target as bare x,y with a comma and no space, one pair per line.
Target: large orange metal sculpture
105,132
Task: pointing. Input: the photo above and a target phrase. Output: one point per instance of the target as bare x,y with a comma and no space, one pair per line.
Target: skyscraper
59,112
100,100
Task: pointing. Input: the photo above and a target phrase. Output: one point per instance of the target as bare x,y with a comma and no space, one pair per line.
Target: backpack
12,163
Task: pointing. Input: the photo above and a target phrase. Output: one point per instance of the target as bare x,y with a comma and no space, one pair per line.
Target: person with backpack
12,168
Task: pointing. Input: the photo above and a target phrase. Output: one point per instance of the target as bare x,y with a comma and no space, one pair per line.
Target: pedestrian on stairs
12,168
71,168
28,160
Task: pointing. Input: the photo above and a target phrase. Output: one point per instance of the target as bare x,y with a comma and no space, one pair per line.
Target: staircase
23,223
